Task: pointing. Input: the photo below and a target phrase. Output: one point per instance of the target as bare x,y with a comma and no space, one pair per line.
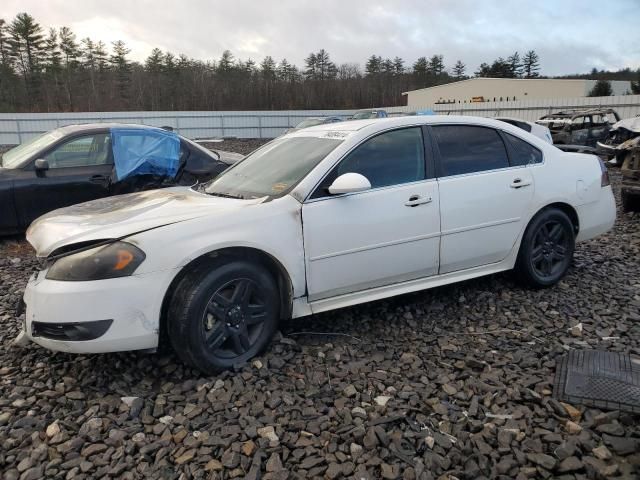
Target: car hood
631,124
124,215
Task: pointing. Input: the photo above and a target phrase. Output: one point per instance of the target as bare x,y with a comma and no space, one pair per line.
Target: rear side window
469,149
522,153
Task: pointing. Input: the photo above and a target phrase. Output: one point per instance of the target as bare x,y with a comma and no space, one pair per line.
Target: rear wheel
547,248
223,314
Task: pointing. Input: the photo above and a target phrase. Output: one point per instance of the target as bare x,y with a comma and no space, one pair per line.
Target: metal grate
599,379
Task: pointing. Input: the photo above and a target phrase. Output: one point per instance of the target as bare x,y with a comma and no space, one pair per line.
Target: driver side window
391,158
81,152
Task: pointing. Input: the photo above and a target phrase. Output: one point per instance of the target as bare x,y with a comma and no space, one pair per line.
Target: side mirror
41,164
349,183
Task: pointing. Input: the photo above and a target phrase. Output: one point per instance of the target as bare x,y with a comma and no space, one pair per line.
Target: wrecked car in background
623,147
78,163
619,142
584,127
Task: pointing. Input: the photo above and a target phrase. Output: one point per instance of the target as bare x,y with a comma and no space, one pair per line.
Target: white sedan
319,219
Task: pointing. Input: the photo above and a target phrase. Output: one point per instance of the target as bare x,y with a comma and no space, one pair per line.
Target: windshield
364,115
18,155
273,169
309,122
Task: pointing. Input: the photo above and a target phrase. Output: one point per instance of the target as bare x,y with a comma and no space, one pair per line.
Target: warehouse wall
496,88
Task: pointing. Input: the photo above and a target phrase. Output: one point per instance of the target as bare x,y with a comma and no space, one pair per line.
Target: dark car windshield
310,122
274,169
364,115
17,156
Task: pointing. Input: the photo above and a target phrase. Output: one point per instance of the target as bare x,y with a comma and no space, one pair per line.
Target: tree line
50,70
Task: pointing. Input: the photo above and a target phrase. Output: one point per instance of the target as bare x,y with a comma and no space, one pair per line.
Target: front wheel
547,249
223,314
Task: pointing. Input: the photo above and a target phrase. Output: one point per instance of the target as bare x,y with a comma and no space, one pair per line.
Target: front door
381,236
79,171
484,199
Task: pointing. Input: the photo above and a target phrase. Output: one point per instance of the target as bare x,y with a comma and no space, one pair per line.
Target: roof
577,112
502,80
84,127
380,124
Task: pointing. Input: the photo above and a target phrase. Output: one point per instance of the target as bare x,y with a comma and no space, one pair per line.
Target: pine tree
52,55
515,65
387,66
531,64
398,66
268,68
459,69
602,88
325,68
226,62
154,61
69,48
635,86
122,67
87,53
436,65
100,55
373,65
420,66
26,43
5,54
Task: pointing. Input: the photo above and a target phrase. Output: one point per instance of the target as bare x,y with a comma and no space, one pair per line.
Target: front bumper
111,315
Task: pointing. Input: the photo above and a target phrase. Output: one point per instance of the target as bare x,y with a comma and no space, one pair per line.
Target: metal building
477,90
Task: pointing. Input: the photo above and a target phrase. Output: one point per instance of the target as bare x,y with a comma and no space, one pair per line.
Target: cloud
570,36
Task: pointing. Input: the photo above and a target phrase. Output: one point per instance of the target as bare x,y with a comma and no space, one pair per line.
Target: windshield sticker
279,187
334,134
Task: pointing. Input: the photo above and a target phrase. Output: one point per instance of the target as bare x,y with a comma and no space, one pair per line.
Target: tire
546,250
222,314
630,202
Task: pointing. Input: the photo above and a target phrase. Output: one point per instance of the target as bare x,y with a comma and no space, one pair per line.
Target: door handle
415,200
519,183
97,178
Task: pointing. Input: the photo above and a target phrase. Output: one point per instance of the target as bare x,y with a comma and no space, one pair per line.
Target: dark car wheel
223,314
630,201
546,250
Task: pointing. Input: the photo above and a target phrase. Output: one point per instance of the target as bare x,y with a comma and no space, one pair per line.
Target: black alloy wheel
223,313
550,247
234,318
546,250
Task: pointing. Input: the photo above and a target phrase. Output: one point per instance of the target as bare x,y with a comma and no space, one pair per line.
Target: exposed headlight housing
118,259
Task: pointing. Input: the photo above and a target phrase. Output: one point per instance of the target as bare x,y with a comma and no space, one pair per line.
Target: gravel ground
455,382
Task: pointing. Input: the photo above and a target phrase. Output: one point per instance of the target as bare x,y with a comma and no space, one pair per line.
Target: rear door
484,198
79,171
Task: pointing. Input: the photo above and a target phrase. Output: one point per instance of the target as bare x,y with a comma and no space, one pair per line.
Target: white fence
17,127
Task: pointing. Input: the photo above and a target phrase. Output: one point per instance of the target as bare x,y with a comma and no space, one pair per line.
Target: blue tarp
138,151
427,111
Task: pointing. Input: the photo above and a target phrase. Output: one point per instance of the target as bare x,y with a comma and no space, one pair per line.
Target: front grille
75,331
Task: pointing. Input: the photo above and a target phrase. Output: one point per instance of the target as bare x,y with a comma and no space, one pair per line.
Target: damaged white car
323,218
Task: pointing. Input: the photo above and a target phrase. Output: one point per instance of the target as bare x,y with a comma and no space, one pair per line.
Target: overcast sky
569,35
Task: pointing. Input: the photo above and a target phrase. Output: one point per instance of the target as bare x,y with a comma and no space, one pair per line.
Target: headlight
119,259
